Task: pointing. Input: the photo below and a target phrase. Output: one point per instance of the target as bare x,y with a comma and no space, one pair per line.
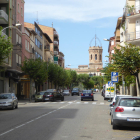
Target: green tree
5,47
127,62
36,69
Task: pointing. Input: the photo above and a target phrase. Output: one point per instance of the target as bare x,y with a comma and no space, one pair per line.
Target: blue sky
77,22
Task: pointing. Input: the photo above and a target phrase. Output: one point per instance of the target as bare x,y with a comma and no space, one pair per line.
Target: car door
58,96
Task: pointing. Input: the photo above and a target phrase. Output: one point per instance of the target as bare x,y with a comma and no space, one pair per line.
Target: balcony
3,34
133,37
32,56
55,33
56,43
132,13
61,58
55,52
47,48
3,17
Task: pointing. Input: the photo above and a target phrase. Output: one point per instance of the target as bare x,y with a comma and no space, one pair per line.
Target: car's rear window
5,96
40,93
66,90
131,102
87,91
48,93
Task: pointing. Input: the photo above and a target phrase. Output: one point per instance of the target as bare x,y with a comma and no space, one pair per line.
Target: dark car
87,94
52,96
75,91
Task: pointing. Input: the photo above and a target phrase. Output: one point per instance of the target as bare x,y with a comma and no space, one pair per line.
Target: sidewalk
25,101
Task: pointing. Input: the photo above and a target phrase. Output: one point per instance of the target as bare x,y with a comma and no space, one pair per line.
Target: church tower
95,56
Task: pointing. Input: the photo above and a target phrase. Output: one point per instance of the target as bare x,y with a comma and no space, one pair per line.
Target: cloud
74,10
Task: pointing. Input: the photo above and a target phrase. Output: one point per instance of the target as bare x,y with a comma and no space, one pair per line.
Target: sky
77,22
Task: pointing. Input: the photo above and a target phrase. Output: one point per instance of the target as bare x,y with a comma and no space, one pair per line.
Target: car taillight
91,94
119,109
43,95
81,94
113,103
51,95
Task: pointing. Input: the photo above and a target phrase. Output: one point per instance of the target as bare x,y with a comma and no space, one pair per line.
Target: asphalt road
71,119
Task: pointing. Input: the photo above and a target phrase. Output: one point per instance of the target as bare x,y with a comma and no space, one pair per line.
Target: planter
128,14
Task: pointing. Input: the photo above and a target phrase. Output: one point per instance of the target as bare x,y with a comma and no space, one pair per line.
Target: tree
127,61
36,69
5,47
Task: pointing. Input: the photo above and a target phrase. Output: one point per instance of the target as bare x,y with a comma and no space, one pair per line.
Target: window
26,44
112,42
17,38
18,8
16,58
112,51
21,11
20,60
100,57
95,56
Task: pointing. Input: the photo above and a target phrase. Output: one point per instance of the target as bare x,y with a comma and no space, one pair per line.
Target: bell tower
95,55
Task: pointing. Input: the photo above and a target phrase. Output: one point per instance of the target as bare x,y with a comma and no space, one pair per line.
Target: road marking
70,102
86,102
62,102
94,103
32,120
78,102
101,103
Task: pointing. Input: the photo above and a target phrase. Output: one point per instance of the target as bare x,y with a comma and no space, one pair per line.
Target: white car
66,92
114,100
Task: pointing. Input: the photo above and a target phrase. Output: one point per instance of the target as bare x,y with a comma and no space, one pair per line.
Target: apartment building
61,60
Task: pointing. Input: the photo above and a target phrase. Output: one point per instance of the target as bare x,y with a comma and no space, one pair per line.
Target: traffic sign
114,77
110,83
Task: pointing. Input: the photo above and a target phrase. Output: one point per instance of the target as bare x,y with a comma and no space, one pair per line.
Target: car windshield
87,91
130,102
48,93
75,89
5,96
40,93
51,90
66,90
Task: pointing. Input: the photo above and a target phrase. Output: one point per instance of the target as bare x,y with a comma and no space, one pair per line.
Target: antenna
37,18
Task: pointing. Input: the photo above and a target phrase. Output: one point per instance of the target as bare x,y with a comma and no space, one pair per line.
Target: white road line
6,132
85,102
62,102
101,103
78,102
70,102
94,103
54,102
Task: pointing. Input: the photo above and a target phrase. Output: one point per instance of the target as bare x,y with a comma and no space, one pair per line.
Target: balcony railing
3,34
47,47
55,42
4,17
55,52
55,33
132,10
133,36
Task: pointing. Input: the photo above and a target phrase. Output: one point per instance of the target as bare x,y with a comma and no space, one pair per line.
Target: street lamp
14,26
106,39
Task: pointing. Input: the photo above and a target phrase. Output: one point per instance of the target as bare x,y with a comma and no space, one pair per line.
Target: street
71,119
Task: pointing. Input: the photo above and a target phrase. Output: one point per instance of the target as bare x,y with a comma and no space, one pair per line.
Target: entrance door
1,86
137,29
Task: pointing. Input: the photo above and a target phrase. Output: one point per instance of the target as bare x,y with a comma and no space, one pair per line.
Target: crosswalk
69,102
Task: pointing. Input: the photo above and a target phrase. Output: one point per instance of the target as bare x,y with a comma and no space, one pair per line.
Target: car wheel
81,99
16,106
92,99
62,99
114,126
72,94
104,98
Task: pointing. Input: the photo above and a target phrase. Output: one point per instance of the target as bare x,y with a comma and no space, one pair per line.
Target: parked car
114,101
39,96
136,138
8,100
66,92
52,95
87,94
126,112
75,91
